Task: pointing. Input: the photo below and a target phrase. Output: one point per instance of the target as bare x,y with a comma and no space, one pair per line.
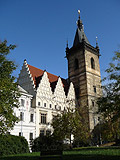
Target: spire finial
67,43
79,22
96,41
79,14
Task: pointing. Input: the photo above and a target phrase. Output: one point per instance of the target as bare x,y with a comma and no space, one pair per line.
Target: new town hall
44,95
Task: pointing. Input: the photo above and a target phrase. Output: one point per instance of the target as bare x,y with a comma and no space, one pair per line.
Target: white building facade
26,113
43,96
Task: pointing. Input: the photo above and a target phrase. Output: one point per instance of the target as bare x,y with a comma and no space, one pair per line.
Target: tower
84,72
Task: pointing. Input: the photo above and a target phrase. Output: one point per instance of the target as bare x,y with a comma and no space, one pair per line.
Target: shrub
46,143
10,144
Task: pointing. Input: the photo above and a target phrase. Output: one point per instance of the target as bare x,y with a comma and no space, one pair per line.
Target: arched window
76,64
92,63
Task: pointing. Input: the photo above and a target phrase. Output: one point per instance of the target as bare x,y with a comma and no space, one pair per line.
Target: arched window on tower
92,63
76,64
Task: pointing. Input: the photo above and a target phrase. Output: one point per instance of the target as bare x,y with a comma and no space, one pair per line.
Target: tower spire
80,35
96,41
79,22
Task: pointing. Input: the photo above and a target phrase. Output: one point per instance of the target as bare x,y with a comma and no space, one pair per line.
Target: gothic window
38,103
93,103
92,63
94,88
76,64
43,118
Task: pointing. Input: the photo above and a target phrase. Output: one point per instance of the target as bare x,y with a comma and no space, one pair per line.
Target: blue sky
40,29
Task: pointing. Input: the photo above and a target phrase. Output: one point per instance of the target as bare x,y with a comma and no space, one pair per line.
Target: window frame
22,102
21,116
31,117
43,118
92,63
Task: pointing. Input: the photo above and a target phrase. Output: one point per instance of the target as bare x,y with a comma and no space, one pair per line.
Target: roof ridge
35,67
44,70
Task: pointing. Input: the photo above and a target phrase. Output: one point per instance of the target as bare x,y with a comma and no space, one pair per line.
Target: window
41,133
92,63
43,118
21,116
20,133
93,103
48,132
55,106
31,136
94,88
76,64
50,105
38,103
44,104
22,102
31,117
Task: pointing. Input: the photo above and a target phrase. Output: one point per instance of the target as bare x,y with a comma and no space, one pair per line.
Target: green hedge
46,143
10,144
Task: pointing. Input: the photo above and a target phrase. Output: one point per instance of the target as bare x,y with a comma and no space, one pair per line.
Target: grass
89,153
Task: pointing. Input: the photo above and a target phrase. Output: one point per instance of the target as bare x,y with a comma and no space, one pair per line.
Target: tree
109,104
47,142
8,89
70,123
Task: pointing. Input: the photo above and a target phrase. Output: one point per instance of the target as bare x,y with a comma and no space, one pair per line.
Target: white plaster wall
25,126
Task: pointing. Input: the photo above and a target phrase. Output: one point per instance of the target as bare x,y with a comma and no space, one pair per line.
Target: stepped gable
35,72
53,79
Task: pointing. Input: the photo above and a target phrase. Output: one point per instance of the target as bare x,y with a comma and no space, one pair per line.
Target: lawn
76,154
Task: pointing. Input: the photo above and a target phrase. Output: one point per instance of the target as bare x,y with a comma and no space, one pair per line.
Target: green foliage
8,89
71,122
45,143
10,144
109,104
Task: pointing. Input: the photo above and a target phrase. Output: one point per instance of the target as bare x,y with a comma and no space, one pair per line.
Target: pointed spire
96,41
79,22
80,35
97,47
67,44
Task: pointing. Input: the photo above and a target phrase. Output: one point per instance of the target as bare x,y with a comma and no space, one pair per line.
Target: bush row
10,144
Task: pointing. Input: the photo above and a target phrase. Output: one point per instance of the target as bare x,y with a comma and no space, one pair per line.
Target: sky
40,29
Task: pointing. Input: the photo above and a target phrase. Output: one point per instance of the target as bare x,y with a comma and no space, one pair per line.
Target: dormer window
76,64
92,63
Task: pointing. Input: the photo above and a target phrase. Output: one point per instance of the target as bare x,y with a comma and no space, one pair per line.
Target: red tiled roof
35,72
37,76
